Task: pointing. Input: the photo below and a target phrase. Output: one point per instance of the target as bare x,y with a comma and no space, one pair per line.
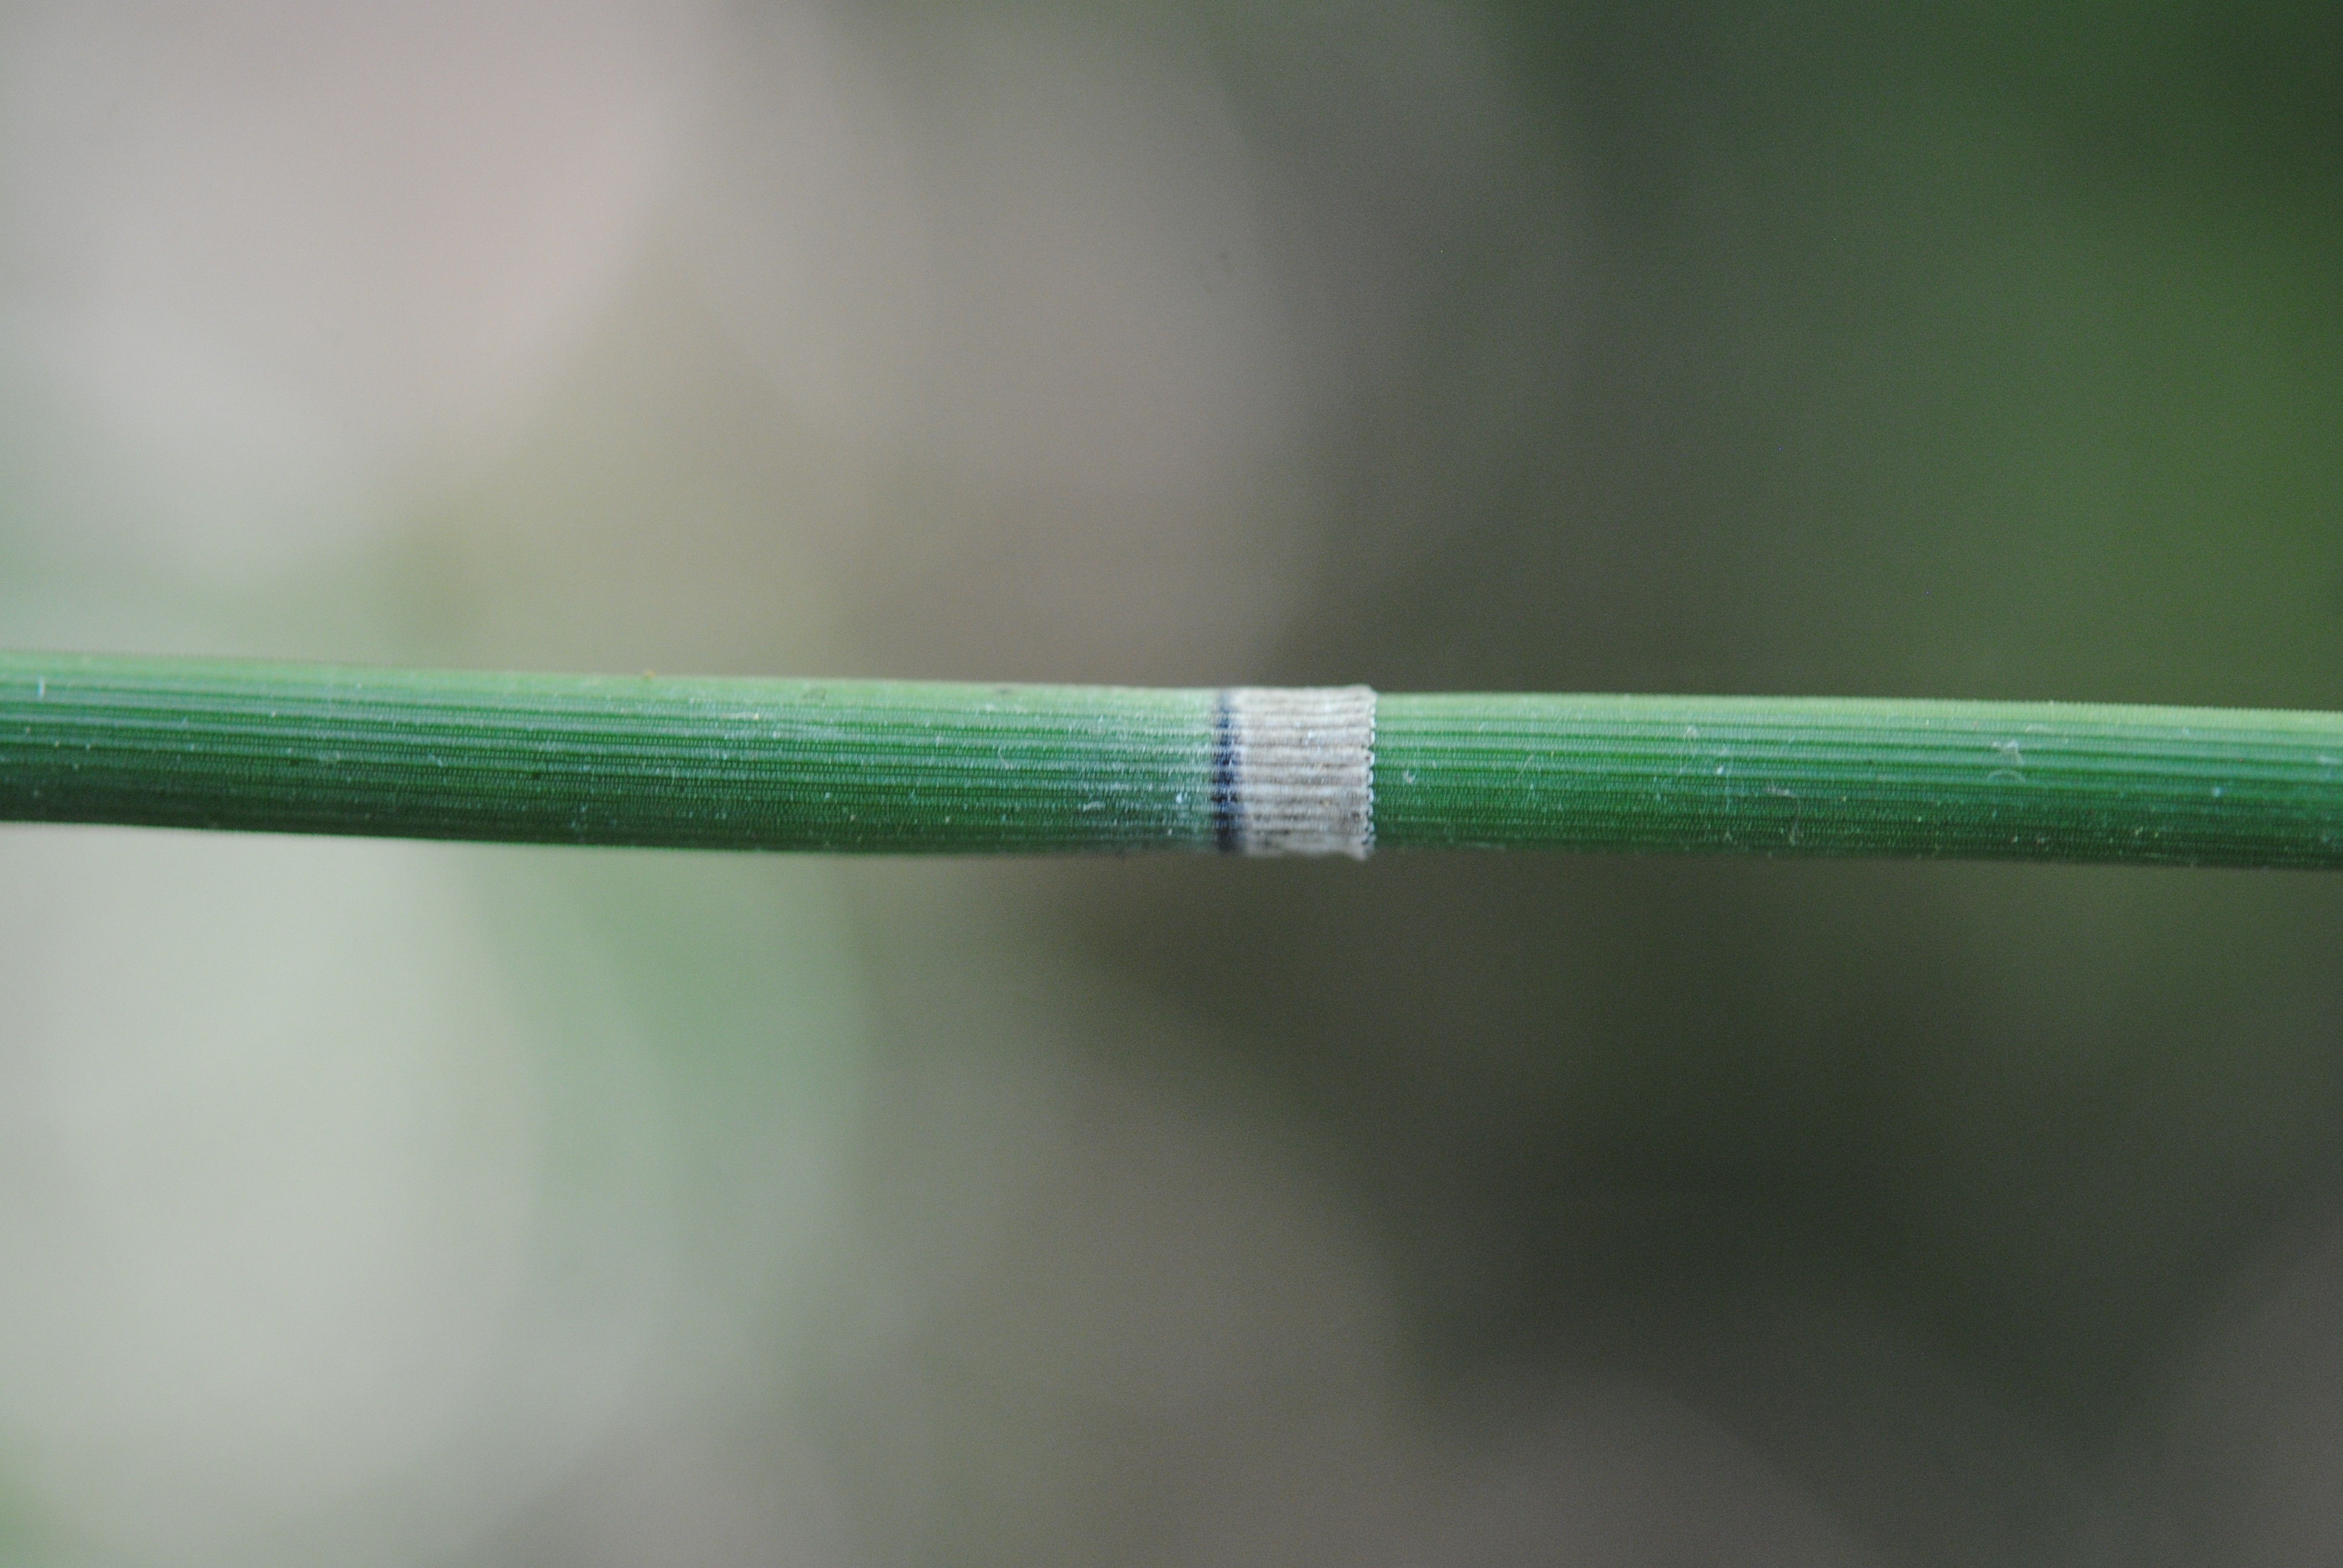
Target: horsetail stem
896,766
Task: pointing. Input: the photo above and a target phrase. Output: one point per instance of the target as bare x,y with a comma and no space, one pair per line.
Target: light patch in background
273,1154
268,267
1016,268
344,1186
807,225
735,980
1027,251
721,1495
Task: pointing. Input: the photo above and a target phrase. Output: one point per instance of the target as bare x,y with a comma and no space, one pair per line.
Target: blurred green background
396,1204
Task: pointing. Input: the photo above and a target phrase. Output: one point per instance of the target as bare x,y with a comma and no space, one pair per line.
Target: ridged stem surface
725,764
1843,776
902,766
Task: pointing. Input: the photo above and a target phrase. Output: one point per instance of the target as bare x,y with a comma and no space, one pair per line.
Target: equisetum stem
897,767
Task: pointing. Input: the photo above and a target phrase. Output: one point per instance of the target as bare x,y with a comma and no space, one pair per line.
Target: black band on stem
1228,810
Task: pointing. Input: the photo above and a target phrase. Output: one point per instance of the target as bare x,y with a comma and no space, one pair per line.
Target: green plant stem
899,767
1844,776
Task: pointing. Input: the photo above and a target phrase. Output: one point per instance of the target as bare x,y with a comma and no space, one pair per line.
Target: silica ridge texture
923,766
1841,777
710,763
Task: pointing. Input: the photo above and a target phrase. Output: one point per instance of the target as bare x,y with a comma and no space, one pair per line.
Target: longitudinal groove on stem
909,767
1819,776
697,763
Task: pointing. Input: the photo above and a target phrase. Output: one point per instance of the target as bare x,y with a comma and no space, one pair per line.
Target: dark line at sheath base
1227,811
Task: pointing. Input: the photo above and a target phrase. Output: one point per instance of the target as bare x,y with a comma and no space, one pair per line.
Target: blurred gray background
389,1204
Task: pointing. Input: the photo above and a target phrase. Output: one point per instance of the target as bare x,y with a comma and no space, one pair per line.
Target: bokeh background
389,1204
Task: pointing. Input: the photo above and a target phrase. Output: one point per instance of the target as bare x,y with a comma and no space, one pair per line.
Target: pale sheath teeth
1293,771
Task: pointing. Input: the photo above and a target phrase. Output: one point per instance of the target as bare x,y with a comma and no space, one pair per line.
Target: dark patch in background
1991,353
